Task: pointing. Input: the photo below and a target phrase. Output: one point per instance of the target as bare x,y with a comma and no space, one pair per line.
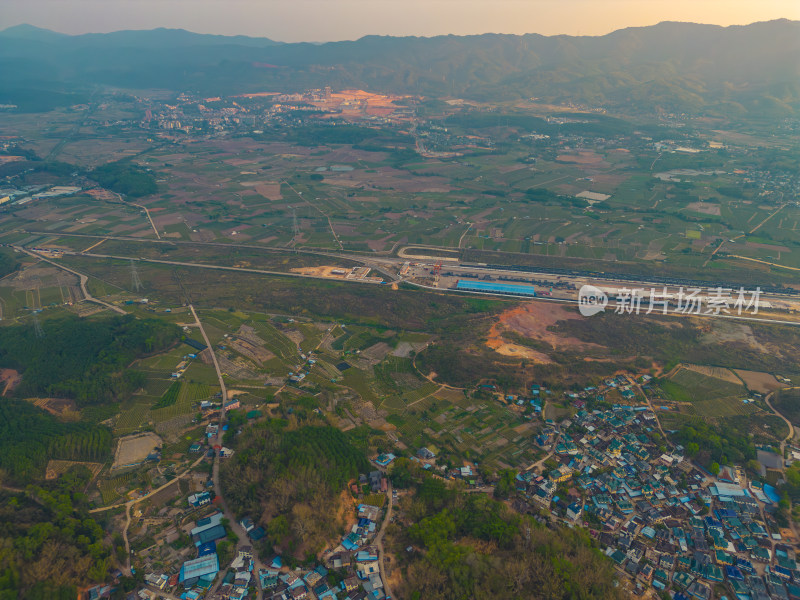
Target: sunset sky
326,20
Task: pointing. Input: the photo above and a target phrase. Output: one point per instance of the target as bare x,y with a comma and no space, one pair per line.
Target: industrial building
493,287
205,568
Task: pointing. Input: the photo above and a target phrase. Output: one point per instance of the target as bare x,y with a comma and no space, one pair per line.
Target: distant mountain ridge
752,69
163,35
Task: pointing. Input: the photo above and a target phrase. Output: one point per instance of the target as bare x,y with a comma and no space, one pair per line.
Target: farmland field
133,417
691,386
112,489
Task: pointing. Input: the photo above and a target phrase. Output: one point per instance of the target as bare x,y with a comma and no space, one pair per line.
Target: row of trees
29,437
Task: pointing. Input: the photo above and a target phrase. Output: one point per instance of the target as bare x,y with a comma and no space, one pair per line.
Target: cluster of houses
666,522
204,576
362,580
355,556
197,575
237,580
364,529
212,429
289,585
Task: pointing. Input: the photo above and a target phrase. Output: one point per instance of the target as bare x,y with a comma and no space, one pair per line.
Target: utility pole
136,283
37,326
295,229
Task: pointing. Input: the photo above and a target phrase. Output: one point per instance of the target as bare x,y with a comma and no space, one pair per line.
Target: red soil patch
581,158
380,244
532,320
706,208
771,247
9,379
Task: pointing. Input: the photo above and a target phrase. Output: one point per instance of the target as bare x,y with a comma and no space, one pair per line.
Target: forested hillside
475,547
125,178
49,544
8,262
29,437
670,66
81,359
290,481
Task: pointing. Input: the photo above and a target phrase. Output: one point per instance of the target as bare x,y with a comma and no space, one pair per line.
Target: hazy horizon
332,20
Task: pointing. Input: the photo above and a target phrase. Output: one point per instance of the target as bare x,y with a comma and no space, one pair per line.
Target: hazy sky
324,20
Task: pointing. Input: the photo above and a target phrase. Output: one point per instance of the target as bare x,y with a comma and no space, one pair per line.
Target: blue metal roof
205,565
496,287
209,535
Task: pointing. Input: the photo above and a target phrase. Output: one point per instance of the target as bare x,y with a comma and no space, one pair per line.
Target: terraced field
189,395
111,489
720,407
277,341
133,416
167,420
361,382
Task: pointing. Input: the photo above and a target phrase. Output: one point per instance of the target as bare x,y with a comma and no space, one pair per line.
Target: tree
714,468
402,473
507,484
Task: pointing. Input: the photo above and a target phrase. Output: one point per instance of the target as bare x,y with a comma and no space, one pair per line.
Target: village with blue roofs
667,523
351,570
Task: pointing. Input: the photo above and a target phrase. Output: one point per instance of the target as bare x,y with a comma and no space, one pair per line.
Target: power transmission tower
295,229
135,281
37,326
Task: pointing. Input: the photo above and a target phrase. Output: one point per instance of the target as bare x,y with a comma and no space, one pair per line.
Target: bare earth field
534,318
134,449
532,321
322,271
760,382
705,208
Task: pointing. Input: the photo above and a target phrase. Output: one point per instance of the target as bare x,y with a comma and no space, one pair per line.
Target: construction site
332,272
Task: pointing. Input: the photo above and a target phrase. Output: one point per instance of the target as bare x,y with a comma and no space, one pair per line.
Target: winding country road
146,212
81,277
379,541
791,435
241,534
130,503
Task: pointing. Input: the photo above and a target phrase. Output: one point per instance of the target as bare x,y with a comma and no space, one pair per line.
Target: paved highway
764,297
383,263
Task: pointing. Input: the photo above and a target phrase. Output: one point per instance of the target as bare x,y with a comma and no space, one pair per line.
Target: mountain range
751,70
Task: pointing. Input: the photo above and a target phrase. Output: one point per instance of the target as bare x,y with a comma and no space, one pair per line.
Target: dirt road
379,542
130,503
237,529
789,437
83,279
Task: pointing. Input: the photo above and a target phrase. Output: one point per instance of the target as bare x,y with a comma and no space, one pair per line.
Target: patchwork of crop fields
167,420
